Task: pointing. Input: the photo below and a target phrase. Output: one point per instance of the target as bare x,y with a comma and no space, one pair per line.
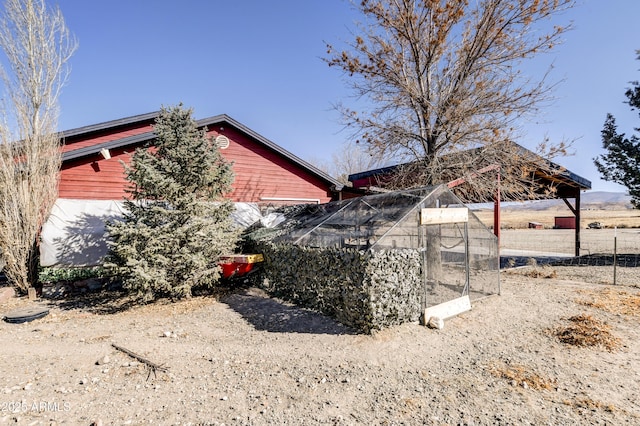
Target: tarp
74,234
246,214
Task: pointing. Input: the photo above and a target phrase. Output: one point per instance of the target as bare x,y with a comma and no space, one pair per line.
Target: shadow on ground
254,305
275,316
104,302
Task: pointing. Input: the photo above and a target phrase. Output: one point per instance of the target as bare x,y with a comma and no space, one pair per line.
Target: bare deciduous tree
37,46
349,159
444,86
352,158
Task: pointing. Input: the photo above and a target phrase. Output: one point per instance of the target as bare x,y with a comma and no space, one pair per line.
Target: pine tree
177,223
621,162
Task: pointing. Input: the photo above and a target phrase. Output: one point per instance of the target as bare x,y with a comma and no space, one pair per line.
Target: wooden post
496,212
576,212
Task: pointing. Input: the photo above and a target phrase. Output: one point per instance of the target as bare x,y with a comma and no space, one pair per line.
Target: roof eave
118,143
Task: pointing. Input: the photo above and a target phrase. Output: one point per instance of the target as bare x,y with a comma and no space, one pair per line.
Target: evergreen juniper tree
621,162
177,223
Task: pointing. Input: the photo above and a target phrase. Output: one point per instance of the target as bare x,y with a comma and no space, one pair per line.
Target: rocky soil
246,359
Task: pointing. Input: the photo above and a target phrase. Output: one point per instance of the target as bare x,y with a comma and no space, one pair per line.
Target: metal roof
109,124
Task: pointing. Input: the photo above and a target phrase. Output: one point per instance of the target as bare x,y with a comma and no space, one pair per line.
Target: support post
578,225
576,212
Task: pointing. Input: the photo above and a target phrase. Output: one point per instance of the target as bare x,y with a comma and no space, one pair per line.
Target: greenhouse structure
379,260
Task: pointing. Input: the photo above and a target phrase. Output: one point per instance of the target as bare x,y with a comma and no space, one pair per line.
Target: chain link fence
597,247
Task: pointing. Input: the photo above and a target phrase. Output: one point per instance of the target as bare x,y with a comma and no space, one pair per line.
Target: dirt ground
246,359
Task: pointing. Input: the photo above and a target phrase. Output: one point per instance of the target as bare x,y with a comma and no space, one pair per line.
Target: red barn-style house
264,172
92,181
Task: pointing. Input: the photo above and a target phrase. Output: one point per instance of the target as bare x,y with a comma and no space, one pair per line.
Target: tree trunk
33,261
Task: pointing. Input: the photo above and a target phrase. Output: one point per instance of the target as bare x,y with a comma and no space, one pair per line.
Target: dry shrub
521,375
411,405
590,404
587,331
541,272
614,301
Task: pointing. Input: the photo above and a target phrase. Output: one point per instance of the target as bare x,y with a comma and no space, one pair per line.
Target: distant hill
597,200
594,200
606,197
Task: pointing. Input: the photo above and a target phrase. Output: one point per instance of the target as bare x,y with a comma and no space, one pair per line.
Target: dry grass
520,218
520,375
589,404
614,301
586,331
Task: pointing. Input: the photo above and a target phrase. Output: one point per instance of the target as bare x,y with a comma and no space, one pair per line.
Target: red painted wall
94,178
364,182
260,174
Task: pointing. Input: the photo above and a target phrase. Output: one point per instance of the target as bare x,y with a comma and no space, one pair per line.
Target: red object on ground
239,264
235,269
565,222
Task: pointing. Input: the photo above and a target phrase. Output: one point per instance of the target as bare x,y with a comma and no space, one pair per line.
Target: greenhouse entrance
381,259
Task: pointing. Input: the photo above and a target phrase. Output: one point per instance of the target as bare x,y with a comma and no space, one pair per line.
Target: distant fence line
557,246
624,260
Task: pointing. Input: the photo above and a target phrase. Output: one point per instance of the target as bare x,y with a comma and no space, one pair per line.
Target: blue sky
260,62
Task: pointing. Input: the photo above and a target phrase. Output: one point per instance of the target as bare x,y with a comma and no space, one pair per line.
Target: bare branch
153,367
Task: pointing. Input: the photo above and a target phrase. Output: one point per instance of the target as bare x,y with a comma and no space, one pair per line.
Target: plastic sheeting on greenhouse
458,253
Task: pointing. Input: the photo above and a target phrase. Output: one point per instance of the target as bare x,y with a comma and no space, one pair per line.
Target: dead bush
545,271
